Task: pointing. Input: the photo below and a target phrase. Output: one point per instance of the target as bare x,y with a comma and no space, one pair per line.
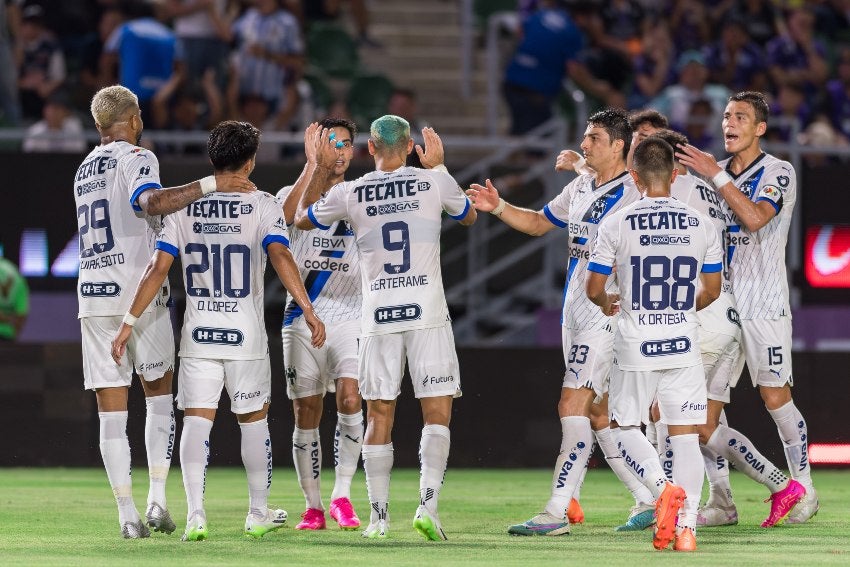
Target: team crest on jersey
783,180
291,374
748,186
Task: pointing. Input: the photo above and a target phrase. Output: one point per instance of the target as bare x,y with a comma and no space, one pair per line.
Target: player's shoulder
780,167
283,193
122,150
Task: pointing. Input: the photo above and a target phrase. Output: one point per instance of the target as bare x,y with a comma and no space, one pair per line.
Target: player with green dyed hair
390,131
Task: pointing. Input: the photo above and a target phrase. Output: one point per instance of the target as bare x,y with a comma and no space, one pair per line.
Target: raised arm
290,205
485,198
283,263
326,154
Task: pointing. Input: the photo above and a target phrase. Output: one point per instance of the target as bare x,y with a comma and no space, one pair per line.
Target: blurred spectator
534,75
675,101
701,125
821,134
403,103
59,131
180,106
268,61
10,109
14,301
689,24
143,51
761,18
735,60
42,68
837,99
789,113
652,66
625,21
796,57
203,28
90,64
309,11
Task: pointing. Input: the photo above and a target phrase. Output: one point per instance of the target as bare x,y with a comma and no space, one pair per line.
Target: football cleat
543,523
805,508
428,525
782,502
135,530
377,530
343,512
685,541
158,519
712,515
196,528
258,527
312,519
666,512
641,517
575,514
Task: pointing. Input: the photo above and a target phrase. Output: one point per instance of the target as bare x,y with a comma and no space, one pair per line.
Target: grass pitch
68,517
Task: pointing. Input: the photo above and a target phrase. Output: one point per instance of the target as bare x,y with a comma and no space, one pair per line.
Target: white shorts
680,392
431,359
723,361
310,371
767,347
150,349
588,357
721,316
248,383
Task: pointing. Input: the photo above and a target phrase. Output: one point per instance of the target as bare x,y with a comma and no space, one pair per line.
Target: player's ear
635,177
675,174
761,128
409,146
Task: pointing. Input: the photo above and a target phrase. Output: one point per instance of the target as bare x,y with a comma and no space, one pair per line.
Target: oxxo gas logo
213,336
396,313
679,345
99,289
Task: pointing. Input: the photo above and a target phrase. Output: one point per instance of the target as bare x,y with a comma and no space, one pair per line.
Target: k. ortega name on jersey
95,166
662,220
393,189
661,318
398,281
218,209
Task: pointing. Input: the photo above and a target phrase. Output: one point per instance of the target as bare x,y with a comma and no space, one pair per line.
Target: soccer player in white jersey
119,203
330,267
661,249
722,356
395,212
222,241
759,191
588,336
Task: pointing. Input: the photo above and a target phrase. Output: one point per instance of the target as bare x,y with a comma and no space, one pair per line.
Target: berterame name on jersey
579,209
116,238
396,217
221,240
329,265
757,259
659,246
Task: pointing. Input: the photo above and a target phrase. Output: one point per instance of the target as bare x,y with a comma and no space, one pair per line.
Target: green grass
68,517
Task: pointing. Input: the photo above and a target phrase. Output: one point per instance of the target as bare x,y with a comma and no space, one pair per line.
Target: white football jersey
221,240
579,208
396,217
659,246
116,237
757,259
329,265
721,316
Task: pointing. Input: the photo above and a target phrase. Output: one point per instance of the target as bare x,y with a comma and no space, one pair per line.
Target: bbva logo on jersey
214,336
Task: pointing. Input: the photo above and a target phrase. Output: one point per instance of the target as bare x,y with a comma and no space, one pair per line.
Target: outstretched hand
567,160
697,160
612,305
484,198
309,139
433,154
323,146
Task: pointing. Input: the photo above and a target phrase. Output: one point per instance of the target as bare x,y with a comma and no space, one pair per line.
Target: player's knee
350,403
775,398
308,412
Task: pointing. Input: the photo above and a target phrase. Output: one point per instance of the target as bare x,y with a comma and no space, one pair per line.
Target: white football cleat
805,508
258,527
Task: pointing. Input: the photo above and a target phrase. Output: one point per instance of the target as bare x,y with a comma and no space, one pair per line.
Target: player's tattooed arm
283,263
170,199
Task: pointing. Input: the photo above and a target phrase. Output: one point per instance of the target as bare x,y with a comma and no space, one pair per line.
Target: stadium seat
331,50
320,92
368,98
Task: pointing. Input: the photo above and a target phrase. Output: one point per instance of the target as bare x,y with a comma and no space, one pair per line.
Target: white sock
348,442
664,448
307,456
577,491
115,450
576,444
194,457
794,434
433,456
742,453
651,434
688,473
640,456
257,459
159,442
717,472
605,438
378,464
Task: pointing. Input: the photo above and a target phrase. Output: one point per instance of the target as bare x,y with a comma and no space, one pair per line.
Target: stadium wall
506,417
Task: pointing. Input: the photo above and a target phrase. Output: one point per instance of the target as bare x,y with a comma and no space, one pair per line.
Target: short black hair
653,159
334,122
648,116
672,137
232,144
756,100
615,122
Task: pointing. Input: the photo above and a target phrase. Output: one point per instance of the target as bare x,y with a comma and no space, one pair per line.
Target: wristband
580,162
440,167
207,184
500,208
721,179
129,319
